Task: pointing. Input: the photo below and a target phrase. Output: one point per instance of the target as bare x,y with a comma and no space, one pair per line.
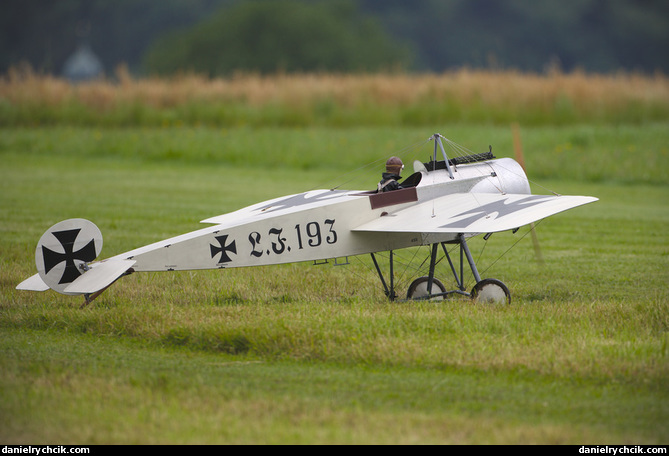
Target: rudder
64,252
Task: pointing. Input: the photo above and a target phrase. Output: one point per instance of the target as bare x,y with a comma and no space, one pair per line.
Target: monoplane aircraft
443,203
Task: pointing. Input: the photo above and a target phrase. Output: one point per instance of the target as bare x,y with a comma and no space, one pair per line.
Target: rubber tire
418,288
491,291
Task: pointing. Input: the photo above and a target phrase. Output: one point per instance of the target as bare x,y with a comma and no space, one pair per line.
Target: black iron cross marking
501,207
66,239
223,249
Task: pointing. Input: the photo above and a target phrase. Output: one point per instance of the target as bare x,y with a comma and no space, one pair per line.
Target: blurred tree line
219,37
278,35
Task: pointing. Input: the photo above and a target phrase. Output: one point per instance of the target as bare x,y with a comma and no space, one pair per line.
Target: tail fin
64,257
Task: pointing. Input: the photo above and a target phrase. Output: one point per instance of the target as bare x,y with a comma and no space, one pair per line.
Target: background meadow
317,354
339,100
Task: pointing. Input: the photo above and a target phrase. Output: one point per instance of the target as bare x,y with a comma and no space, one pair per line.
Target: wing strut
389,291
470,259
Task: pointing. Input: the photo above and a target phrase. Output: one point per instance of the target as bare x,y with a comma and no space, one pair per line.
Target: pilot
389,181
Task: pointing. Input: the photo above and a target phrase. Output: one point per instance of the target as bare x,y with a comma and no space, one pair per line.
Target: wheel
418,288
491,291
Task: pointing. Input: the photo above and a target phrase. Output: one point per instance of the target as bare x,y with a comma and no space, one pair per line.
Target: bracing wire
353,174
460,149
512,246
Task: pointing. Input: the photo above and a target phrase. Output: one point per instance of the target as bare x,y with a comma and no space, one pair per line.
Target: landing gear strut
428,287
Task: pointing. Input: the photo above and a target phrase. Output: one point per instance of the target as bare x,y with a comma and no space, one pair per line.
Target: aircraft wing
473,213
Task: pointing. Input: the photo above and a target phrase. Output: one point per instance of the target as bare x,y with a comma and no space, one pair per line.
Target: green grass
67,387
316,354
620,154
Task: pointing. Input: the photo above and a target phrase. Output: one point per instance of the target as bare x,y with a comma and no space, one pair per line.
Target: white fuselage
320,224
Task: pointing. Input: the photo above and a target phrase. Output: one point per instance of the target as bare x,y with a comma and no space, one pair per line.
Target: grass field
316,354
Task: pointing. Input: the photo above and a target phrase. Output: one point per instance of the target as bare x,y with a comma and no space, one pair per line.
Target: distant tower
83,64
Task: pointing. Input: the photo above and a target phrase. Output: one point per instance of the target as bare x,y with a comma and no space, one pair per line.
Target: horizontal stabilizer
99,276
34,283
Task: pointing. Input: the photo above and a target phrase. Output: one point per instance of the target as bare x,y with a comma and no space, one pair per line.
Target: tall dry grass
463,95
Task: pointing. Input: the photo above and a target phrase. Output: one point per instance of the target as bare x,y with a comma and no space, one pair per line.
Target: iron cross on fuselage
223,249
